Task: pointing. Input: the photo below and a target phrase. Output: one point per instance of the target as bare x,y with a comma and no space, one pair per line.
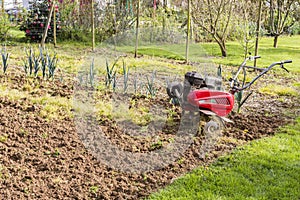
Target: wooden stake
188,32
257,31
54,25
46,27
137,29
93,26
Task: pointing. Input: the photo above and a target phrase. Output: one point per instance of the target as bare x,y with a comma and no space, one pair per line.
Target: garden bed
44,155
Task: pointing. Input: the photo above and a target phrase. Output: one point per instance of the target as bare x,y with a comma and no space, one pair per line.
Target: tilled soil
42,159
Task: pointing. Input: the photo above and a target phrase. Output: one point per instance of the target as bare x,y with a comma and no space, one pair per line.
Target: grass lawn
265,169
288,49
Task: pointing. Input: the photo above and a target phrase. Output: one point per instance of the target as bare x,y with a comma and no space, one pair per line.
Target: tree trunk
223,50
222,46
154,9
275,41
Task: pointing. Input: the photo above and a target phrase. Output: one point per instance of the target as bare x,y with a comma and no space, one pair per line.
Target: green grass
279,90
288,49
265,169
158,52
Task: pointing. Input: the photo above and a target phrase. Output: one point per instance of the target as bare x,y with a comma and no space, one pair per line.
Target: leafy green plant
156,145
94,189
3,138
150,85
5,57
5,26
56,153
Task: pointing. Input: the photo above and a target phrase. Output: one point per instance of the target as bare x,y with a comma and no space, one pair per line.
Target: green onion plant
125,75
91,74
52,64
110,78
150,85
43,62
28,64
5,57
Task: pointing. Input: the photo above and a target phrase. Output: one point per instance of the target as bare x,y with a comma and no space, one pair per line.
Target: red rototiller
204,95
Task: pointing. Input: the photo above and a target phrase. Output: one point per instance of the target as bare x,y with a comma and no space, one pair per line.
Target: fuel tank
216,101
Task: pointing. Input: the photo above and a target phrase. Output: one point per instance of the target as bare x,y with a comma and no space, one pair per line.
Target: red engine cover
218,102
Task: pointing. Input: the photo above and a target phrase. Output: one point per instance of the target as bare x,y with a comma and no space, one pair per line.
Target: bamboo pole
137,29
257,30
54,25
46,27
2,7
93,25
188,32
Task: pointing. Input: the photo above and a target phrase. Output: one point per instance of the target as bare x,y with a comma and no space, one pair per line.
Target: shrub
5,25
36,21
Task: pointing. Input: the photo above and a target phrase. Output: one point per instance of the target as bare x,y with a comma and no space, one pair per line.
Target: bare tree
214,17
280,10
245,28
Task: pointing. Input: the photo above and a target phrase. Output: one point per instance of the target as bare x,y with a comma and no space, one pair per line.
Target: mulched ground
42,159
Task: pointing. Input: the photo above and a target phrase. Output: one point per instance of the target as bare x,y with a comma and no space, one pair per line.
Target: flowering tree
35,24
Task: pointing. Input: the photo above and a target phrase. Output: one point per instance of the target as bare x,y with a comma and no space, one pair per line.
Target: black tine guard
175,90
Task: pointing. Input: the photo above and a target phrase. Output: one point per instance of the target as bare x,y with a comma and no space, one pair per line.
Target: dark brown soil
42,159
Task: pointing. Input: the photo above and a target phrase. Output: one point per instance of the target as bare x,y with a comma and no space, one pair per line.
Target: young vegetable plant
52,64
110,78
240,100
29,63
5,57
91,74
126,75
135,84
36,65
150,85
219,71
43,63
